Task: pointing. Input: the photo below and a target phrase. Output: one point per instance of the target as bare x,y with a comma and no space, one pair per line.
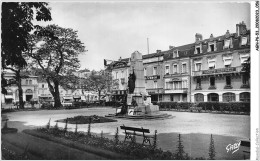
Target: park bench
130,132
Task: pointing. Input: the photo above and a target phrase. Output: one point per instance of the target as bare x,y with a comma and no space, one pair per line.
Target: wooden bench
130,132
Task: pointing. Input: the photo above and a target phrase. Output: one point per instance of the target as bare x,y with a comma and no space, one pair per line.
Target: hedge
209,106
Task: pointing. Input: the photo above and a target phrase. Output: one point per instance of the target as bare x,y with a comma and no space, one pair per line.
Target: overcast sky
110,30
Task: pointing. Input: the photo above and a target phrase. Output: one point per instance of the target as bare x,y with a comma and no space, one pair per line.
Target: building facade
29,86
120,73
153,74
216,66
208,70
177,74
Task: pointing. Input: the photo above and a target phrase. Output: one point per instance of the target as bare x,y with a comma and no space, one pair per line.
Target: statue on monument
131,82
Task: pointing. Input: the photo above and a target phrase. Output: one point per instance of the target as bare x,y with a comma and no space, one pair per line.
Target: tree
97,81
56,55
180,154
212,152
16,25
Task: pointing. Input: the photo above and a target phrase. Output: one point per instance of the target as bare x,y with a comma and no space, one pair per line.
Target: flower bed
86,119
82,141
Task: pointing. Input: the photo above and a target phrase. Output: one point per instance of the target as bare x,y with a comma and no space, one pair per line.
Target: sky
111,30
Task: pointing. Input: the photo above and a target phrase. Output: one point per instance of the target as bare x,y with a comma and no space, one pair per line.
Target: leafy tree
16,25
212,152
98,81
56,55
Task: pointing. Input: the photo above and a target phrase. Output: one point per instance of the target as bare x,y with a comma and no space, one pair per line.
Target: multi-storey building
206,70
29,86
120,73
177,74
45,94
216,66
153,74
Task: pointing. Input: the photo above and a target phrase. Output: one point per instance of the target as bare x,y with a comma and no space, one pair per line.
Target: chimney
171,47
158,51
198,37
240,28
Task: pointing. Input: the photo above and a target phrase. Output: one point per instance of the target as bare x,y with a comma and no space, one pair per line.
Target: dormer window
227,43
212,44
198,50
243,41
175,54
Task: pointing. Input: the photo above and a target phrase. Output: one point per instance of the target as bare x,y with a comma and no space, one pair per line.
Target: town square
129,80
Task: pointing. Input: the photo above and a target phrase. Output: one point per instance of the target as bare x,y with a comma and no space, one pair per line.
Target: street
194,127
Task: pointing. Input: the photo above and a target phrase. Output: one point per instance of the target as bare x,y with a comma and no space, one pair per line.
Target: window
30,82
122,74
168,85
212,81
176,85
160,97
116,74
155,84
227,63
213,97
184,84
184,68
144,71
199,97
42,85
175,68
211,47
167,69
245,80
244,58
212,64
198,67
228,80
175,54
244,97
227,44
198,86
243,40
198,50
229,97
27,82
154,70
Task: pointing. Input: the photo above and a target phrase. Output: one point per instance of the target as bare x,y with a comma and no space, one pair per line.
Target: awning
68,97
244,41
83,98
227,61
212,63
8,96
77,96
244,57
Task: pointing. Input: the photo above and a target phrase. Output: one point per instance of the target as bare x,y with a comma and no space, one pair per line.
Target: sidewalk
43,149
